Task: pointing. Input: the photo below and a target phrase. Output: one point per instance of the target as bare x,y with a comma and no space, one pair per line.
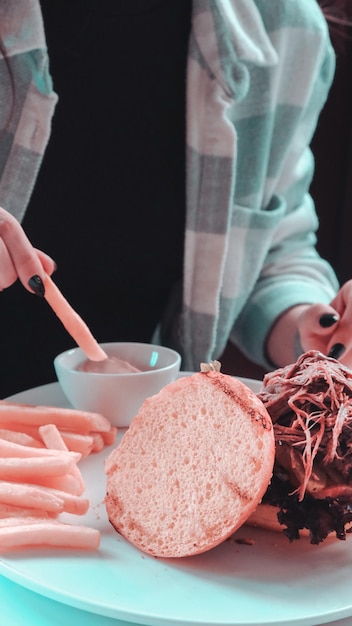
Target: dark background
331,189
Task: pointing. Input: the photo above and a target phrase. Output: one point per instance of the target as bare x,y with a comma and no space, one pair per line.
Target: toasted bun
192,467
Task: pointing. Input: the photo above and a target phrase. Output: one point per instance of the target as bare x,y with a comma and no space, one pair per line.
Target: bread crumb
246,541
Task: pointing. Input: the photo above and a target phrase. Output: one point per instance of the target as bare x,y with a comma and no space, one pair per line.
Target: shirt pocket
250,238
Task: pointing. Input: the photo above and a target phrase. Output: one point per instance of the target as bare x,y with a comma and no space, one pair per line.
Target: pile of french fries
40,448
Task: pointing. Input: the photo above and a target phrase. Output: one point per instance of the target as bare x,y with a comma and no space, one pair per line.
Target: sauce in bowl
111,365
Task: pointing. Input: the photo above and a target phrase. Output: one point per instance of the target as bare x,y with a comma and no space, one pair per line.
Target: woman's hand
323,327
18,258
328,328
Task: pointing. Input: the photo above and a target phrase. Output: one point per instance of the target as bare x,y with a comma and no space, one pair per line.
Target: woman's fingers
340,344
18,258
316,325
21,260
47,262
8,273
328,328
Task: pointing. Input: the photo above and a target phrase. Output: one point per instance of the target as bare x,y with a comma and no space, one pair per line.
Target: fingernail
36,284
328,319
336,350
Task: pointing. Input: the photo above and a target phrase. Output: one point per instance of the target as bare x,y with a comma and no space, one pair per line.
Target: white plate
270,582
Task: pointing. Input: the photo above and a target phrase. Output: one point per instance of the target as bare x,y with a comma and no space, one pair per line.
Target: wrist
283,344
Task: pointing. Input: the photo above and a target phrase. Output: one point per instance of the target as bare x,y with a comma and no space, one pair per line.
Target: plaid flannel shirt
259,72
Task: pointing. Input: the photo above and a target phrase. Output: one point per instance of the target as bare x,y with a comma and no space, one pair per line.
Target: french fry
36,469
78,443
40,447
38,532
11,449
52,437
27,429
98,442
30,496
67,482
73,323
46,499
109,437
22,438
72,503
21,521
8,511
65,418
54,441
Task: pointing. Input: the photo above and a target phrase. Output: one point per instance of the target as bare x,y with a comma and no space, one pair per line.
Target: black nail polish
328,319
336,350
36,284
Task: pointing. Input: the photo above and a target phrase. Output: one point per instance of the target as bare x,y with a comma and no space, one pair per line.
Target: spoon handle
73,323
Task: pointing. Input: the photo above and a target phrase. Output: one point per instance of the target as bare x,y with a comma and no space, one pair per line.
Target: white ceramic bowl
117,396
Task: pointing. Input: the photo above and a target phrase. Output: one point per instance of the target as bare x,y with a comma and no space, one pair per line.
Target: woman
152,241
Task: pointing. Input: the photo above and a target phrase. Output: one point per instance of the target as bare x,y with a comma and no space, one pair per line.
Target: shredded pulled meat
310,404
320,516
